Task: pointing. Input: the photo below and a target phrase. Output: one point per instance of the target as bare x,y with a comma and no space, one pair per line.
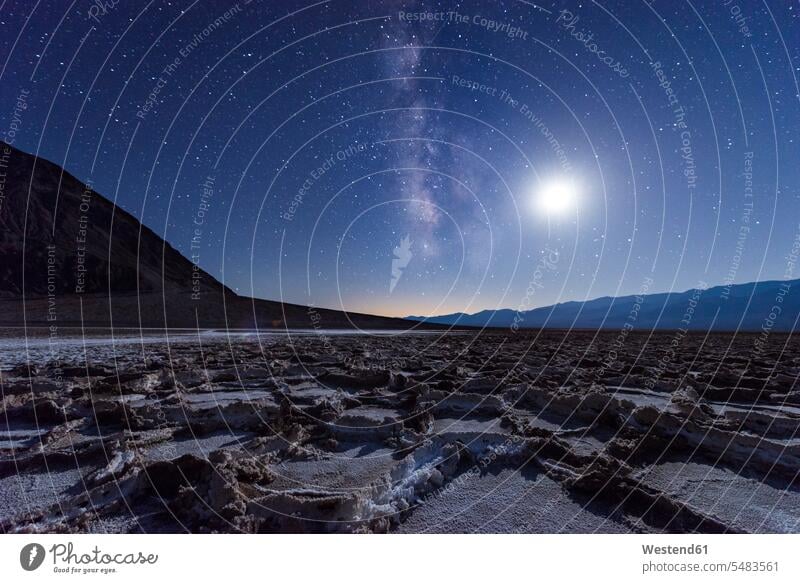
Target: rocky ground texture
461,432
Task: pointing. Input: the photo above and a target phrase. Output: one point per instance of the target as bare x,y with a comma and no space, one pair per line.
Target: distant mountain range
71,257
771,305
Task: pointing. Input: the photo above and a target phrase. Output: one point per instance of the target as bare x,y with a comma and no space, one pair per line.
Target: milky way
385,156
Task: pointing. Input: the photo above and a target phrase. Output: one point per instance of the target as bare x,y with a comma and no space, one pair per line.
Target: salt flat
467,432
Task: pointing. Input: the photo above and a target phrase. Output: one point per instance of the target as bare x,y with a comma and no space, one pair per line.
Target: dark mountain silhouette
47,212
767,305
70,257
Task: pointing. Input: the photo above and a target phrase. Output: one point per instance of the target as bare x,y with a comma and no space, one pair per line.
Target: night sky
302,151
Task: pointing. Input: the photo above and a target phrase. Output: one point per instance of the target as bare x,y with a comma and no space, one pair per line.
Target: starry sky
386,156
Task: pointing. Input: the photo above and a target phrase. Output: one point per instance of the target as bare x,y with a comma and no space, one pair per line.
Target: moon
557,196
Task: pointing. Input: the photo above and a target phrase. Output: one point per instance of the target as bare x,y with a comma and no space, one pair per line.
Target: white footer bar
378,558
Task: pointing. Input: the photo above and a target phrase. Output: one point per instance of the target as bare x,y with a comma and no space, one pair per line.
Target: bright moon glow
557,196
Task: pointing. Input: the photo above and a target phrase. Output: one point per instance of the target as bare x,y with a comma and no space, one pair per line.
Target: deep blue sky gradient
269,94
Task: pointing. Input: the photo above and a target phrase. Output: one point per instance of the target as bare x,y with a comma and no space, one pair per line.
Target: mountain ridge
57,209
751,306
73,258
